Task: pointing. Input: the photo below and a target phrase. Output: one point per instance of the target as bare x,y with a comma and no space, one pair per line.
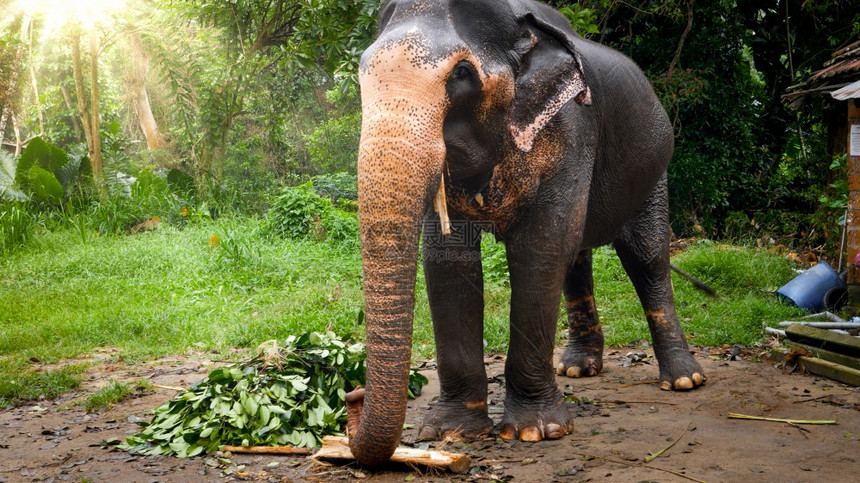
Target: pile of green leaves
287,394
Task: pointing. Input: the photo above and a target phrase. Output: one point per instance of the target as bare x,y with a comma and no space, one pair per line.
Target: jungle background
239,98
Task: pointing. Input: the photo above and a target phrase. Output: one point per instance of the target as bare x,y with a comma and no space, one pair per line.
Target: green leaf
265,415
8,189
40,153
67,175
44,185
218,375
251,406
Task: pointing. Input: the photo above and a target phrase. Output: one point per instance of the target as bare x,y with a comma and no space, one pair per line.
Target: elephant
494,115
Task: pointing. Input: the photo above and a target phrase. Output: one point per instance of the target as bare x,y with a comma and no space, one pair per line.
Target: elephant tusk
440,205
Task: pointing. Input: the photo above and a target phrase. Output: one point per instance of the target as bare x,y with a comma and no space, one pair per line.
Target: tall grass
16,226
744,279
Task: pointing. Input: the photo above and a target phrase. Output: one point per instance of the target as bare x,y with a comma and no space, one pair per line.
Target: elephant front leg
452,267
583,356
534,407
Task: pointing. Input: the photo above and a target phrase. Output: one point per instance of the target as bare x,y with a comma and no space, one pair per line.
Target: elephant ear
549,75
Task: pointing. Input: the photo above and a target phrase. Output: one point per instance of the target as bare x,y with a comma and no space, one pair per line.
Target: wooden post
852,238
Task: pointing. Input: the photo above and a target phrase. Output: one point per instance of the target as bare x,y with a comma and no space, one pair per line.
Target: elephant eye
462,71
463,83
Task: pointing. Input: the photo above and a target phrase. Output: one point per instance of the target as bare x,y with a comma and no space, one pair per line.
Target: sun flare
57,13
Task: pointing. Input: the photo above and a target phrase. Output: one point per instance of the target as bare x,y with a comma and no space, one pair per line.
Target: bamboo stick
267,450
780,420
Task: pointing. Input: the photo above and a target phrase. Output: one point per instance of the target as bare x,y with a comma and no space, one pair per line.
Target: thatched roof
840,78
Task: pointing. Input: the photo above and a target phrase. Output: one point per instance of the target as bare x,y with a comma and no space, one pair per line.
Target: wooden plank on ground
824,339
831,370
837,358
336,448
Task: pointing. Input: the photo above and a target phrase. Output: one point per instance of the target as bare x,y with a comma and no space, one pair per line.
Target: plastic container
809,289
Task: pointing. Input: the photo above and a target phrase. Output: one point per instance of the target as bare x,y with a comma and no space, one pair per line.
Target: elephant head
449,89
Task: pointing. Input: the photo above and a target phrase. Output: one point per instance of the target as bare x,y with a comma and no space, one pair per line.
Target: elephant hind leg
643,248
583,356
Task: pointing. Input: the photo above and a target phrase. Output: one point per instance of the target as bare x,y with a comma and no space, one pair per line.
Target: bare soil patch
622,418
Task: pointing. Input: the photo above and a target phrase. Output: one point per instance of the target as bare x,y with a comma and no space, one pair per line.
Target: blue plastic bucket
808,289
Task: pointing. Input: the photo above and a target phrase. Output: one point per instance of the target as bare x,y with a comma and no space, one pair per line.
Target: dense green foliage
253,95
720,67
300,212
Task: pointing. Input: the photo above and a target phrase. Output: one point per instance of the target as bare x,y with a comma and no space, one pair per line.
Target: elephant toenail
666,386
570,427
559,369
453,436
554,431
683,383
574,371
427,433
531,434
508,433
698,379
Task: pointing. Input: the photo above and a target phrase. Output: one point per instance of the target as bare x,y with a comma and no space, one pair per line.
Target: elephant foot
536,422
580,361
679,371
456,421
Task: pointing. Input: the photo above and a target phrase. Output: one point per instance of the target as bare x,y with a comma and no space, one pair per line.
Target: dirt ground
622,418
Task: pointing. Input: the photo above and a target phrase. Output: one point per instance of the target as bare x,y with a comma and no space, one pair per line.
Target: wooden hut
837,85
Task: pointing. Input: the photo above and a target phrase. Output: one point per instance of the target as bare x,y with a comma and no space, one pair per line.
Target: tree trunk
79,89
139,96
27,36
17,134
96,154
4,118
89,119
67,98
677,57
9,97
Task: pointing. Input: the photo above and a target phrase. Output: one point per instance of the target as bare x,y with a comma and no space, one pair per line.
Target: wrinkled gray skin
554,143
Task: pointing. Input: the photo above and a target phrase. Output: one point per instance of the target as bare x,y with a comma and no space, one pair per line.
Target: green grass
166,291
17,383
114,392
745,281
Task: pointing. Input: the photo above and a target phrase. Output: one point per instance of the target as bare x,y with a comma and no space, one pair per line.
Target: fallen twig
625,401
267,450
649,381
651,457
641,465
172,388
813,399
780,420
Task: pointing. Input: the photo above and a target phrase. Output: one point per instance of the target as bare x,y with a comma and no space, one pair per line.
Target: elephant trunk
399,171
